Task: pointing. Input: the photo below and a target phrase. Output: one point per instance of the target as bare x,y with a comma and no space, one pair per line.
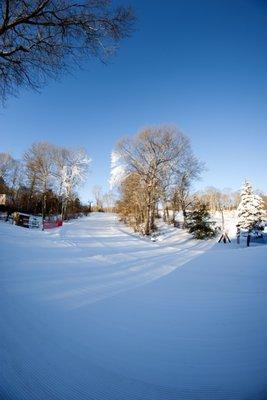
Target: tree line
154,172
45,180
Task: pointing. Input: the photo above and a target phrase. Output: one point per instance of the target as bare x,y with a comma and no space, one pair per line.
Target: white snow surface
91,312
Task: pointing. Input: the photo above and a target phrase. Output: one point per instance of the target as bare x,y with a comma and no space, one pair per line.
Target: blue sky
201,65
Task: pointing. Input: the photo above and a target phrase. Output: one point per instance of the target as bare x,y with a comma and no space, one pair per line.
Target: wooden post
248,239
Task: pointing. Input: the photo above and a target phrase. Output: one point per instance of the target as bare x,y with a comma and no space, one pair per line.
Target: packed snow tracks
91,312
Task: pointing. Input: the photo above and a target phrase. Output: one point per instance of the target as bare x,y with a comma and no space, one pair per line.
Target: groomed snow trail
90,312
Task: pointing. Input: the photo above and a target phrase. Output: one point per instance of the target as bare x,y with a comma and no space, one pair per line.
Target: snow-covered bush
199,222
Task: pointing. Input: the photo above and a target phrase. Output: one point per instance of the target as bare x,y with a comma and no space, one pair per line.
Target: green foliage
199,223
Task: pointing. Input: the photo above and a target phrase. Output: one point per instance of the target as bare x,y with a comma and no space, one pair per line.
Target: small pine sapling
199,222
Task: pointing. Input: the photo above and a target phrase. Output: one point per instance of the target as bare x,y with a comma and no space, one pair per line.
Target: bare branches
46,180
40,38
157,164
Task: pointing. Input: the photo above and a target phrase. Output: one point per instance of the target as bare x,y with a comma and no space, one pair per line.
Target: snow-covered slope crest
90,312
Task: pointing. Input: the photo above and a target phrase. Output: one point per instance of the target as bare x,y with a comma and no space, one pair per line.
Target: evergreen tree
250,211
199,223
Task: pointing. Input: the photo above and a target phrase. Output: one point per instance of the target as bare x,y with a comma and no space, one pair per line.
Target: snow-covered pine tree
250,211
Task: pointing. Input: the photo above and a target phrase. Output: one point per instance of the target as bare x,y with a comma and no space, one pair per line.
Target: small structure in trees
5,200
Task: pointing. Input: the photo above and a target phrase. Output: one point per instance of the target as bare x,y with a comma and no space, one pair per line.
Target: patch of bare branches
159,168
40,38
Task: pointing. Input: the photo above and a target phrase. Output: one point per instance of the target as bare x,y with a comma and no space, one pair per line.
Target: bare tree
71,167
109,200
46,180
130,207
39,166
154,154
99,197
219,199
6,165
55,168
189,170
38,38
11,174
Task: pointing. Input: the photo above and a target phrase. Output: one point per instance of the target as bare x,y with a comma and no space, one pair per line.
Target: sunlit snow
91,311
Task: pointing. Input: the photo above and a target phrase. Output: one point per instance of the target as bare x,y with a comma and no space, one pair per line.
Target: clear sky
201,65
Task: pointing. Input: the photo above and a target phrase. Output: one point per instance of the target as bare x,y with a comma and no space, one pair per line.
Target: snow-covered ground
92,312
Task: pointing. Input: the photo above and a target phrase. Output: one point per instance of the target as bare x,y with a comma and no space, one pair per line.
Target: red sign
52,224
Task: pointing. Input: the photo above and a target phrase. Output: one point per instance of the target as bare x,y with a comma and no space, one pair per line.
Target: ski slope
92,312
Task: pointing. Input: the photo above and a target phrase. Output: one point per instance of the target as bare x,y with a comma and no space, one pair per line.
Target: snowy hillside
92,312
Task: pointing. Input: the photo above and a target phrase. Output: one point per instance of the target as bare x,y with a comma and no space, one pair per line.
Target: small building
5,200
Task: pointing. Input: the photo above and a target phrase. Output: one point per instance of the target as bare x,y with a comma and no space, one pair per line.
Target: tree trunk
185,217
222,219
147,220
31,193
173,216
152,217
164,214
167,215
